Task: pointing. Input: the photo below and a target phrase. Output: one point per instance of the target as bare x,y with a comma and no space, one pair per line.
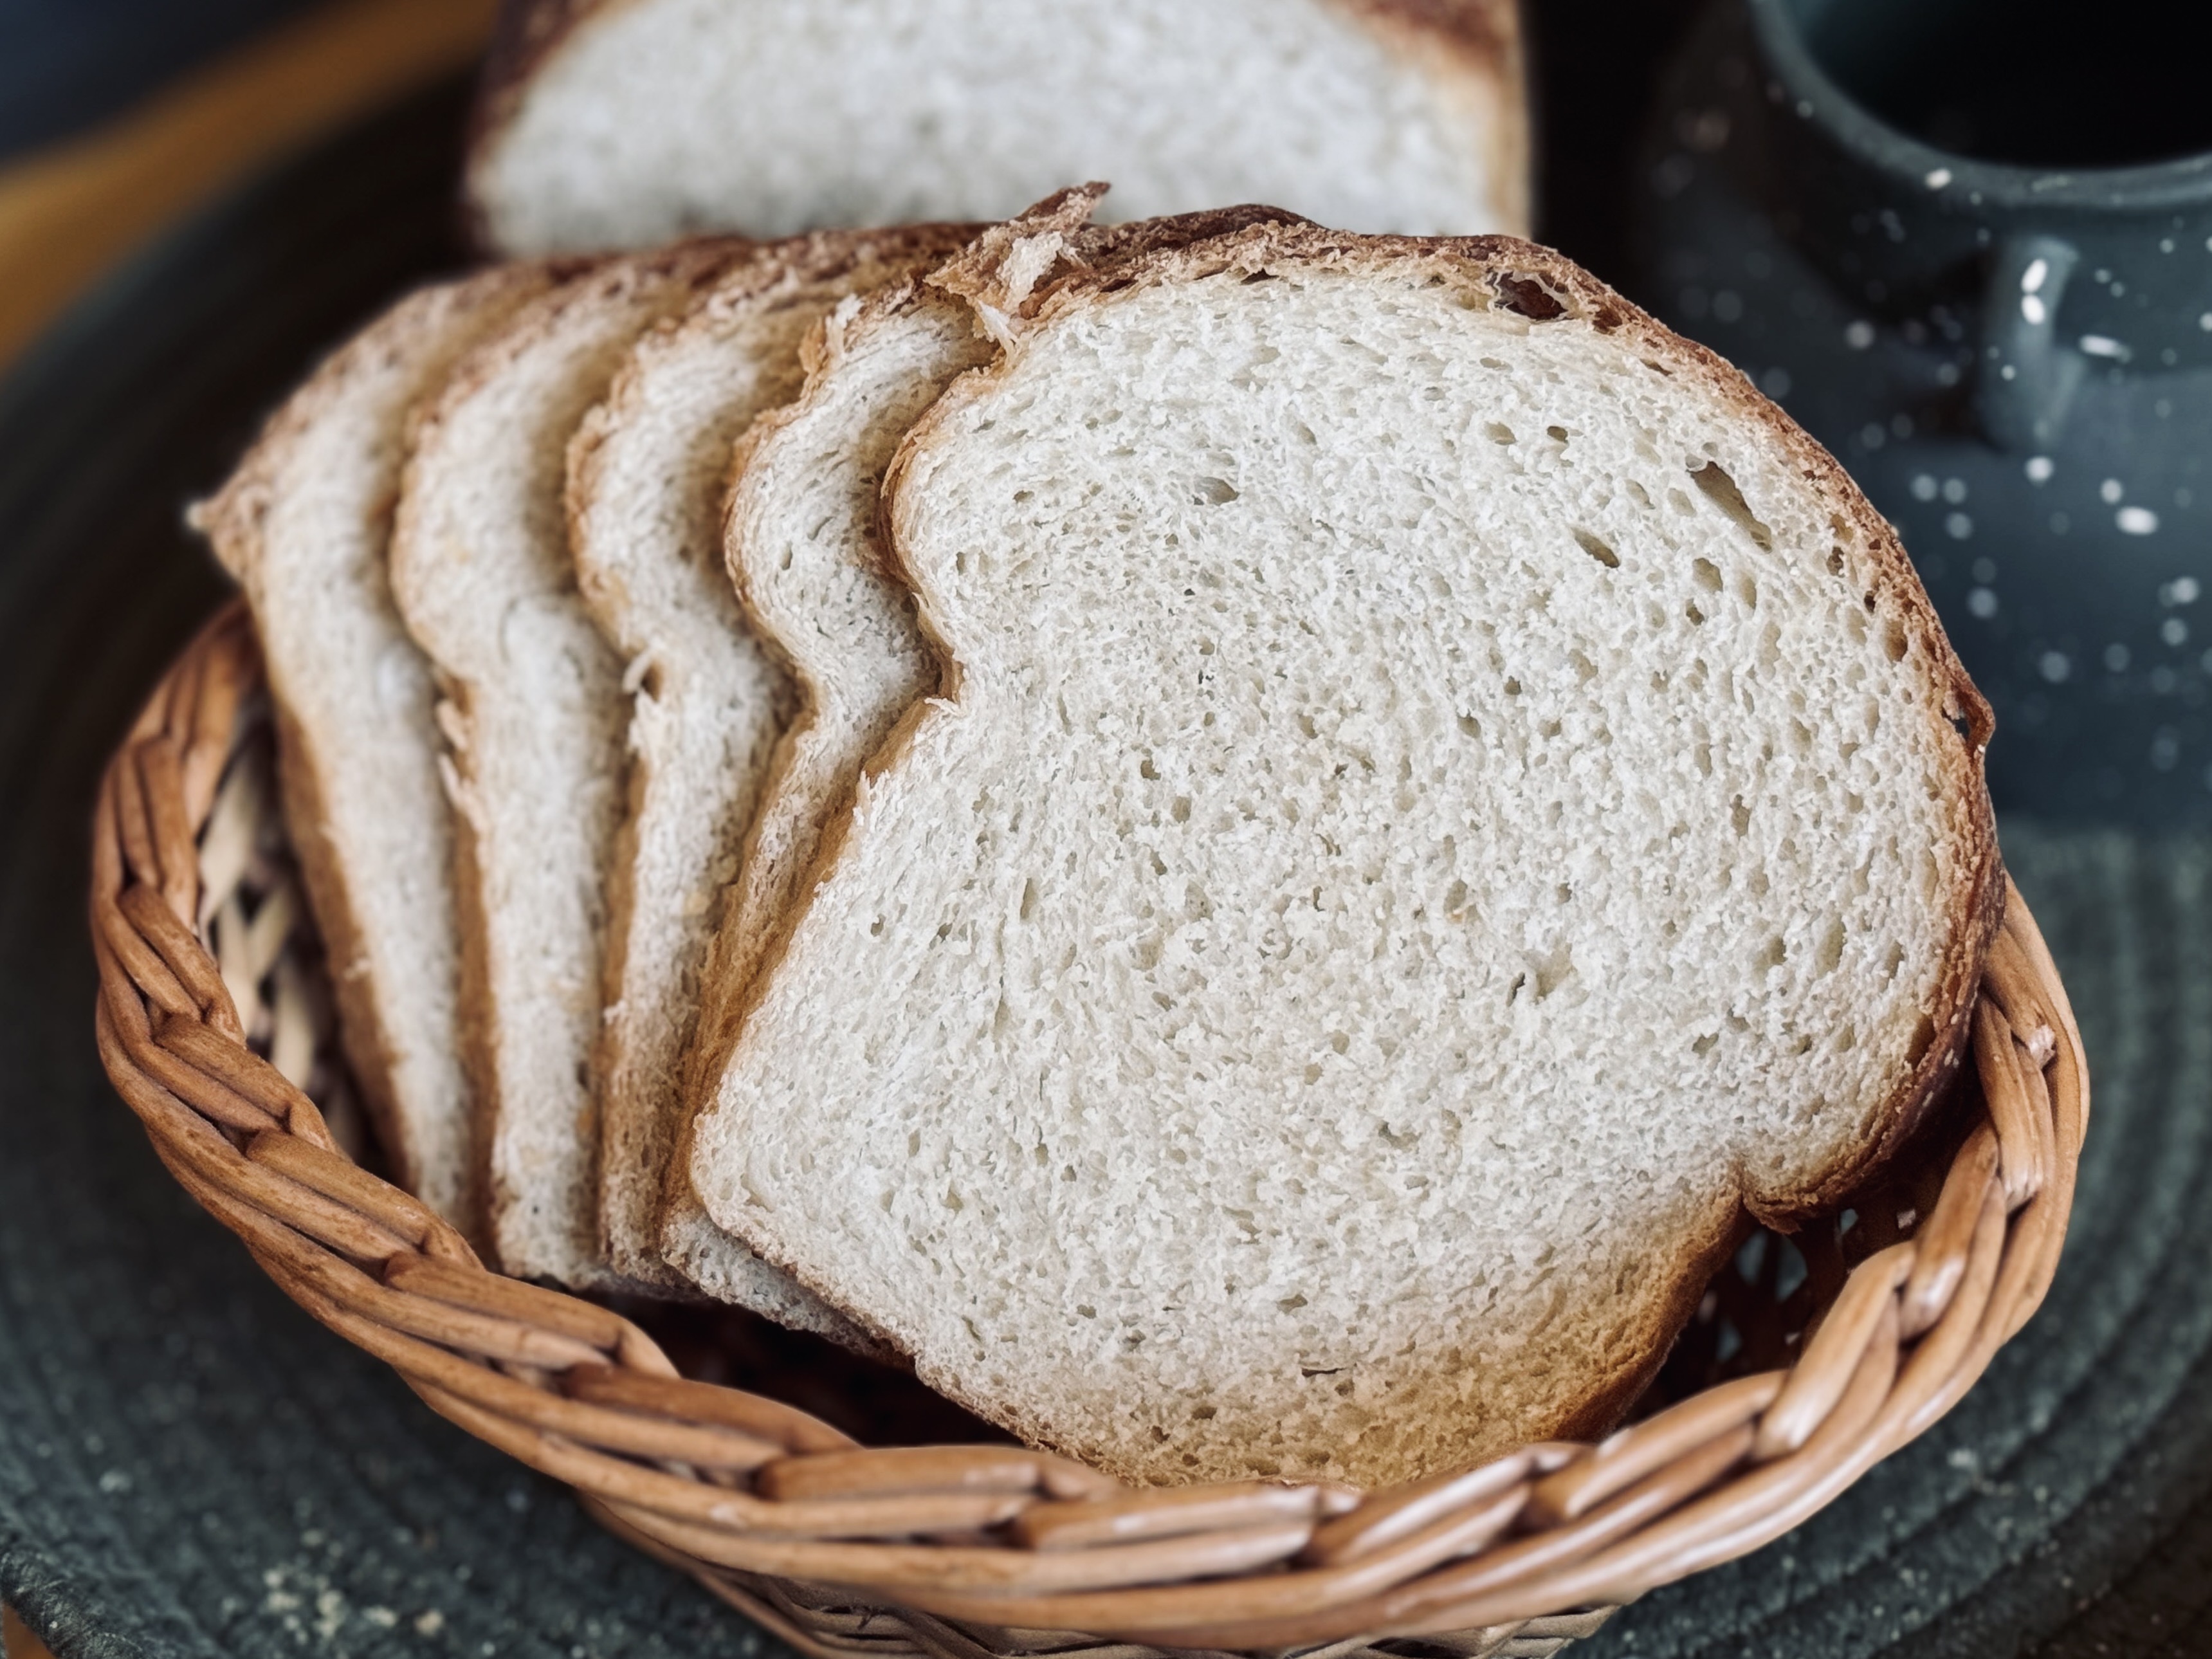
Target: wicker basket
211,1027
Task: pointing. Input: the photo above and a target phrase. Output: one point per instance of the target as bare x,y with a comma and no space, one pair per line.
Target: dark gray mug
1974,255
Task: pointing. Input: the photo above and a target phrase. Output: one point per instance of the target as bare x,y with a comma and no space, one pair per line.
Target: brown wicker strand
208,1022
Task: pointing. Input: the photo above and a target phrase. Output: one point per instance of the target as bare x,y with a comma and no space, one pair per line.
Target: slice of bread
1444,797
647,472
606,125
537,721
304,524
800,538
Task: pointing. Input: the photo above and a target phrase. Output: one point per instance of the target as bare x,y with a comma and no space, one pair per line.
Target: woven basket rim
958,1552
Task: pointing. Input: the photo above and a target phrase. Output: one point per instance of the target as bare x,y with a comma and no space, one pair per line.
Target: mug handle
2027,378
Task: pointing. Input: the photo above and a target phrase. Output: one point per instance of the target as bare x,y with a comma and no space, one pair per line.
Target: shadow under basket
1811,1357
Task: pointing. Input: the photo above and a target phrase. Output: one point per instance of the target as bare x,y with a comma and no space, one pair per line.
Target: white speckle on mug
2116,659
2055,666
1982,601
1924,487
1954,491
2174,631
2103,345
2137,521
2111,490
1938,178
2039,469
1958,527
1860,335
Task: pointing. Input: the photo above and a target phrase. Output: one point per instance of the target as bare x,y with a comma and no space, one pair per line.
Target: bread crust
1516,275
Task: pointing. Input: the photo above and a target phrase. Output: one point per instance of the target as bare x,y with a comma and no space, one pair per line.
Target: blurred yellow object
69,211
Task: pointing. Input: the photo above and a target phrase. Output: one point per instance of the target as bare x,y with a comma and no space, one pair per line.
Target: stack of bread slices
1249,844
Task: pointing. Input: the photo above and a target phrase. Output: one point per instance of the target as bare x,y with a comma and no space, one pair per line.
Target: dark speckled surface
189,1465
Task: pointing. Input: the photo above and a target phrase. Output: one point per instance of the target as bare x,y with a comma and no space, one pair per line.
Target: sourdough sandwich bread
1443,797
536,719
798,540
620,123
647,475
305,525
802,545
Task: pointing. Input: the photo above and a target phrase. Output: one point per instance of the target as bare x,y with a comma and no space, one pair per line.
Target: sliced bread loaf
1444,797
647,475
536,719
606,124
802,545
304,524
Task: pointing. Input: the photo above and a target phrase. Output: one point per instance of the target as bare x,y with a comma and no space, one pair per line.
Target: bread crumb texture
1438,808
653,118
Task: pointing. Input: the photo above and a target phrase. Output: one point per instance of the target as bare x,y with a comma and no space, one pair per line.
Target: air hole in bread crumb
1212,492
1498,433
1085,1311
1558,435
1836,562
1292,1302
1697,616
1597,550
1705,1044
1895,643
1776,953
1512,687
1028,899
1721,489
1527,296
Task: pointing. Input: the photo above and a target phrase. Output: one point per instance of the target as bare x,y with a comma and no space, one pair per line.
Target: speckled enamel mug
1969,244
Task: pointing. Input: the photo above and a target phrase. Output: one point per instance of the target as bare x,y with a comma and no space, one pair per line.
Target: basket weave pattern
209,1028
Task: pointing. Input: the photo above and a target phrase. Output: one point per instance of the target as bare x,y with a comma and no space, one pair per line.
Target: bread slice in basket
606,124
537,721
1444,798
647,474
305,525
800,536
